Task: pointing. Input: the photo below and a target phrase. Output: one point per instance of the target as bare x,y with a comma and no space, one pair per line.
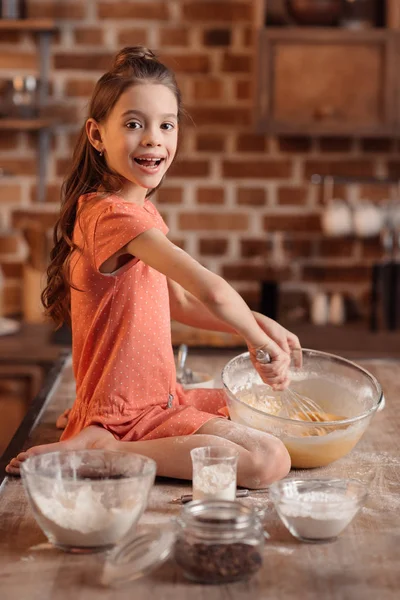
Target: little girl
118,278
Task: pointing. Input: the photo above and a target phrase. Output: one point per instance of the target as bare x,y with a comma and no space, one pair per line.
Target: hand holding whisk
293,405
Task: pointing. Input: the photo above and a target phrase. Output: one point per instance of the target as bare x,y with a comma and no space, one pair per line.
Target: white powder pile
82,519
319,515
214,482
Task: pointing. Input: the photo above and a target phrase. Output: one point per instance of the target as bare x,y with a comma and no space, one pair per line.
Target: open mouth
150,163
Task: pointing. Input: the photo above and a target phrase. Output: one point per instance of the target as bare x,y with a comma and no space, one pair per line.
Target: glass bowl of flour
317,510
87,500
347,393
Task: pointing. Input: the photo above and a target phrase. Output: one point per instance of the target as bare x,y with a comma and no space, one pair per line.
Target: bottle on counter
13,9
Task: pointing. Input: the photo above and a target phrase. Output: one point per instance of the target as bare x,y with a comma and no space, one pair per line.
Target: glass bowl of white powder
317,510
87,500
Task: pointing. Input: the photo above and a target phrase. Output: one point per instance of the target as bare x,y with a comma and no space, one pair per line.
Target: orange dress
121,334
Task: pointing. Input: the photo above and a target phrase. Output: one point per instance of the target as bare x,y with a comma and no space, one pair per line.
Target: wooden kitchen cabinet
327,81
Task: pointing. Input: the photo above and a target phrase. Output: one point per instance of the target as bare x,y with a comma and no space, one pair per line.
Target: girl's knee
268,464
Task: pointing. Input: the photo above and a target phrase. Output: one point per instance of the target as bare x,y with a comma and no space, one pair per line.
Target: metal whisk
294,405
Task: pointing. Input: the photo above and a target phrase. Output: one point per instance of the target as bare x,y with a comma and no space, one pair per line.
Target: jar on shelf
219,541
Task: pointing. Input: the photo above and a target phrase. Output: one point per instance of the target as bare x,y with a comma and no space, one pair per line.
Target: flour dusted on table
215,482
82,518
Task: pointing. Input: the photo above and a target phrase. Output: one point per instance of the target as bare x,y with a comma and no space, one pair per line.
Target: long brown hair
89,171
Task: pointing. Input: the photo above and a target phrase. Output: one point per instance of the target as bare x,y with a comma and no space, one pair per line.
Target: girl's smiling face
139,137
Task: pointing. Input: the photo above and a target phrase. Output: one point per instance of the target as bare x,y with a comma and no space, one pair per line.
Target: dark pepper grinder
13,9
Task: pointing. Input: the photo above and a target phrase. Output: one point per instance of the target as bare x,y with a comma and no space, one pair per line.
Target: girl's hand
285,339
282,345
272,364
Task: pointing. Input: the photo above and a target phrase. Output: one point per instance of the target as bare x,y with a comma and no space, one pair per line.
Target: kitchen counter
362,564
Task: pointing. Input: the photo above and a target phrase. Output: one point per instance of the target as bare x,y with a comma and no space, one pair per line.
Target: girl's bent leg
262,457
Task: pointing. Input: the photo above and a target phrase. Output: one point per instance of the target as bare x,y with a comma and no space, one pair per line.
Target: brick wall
234,199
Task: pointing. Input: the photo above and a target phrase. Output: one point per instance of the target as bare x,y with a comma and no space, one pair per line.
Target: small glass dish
87,500
317,510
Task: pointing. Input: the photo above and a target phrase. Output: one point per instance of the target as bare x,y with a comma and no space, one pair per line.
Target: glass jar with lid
219,541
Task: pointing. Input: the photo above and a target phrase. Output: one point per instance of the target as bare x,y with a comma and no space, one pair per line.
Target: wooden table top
362,564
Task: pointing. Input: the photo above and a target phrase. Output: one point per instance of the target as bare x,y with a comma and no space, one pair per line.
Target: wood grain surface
362,564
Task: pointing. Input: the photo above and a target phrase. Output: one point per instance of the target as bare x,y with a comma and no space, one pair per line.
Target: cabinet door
328,82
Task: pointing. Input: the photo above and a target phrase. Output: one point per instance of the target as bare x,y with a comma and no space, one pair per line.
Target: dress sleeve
116,226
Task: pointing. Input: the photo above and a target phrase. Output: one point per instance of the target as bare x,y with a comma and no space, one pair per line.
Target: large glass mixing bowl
339,386
87,500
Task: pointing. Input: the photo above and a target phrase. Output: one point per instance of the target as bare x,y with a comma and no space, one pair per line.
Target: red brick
187,63
154,11
337,274
83,61
250,142
207,89
133,37
167,195
304,222
64,9
348,168
210,142
294,144
252,248
251,272
251,297
9,140
174,36
217,11
19,166
12,297
190,168
217,37
211,195
11,37
371,248
91,36
375,192
10,193
380,145
213,247
18,60
12,270
223,115
62,166
213,221
37,214
394,169
259,169
237,63
292,195
79,87
251,196
53,193
296,247
333,247
244,89
335,144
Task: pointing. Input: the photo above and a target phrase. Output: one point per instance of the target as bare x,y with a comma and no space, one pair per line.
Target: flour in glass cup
215,482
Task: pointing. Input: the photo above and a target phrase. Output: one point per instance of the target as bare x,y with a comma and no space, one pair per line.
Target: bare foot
90,437
62,420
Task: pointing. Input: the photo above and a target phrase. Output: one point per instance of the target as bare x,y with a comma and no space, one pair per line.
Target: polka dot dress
121,333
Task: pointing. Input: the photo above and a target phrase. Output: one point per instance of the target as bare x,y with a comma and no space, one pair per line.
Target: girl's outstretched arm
154,249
